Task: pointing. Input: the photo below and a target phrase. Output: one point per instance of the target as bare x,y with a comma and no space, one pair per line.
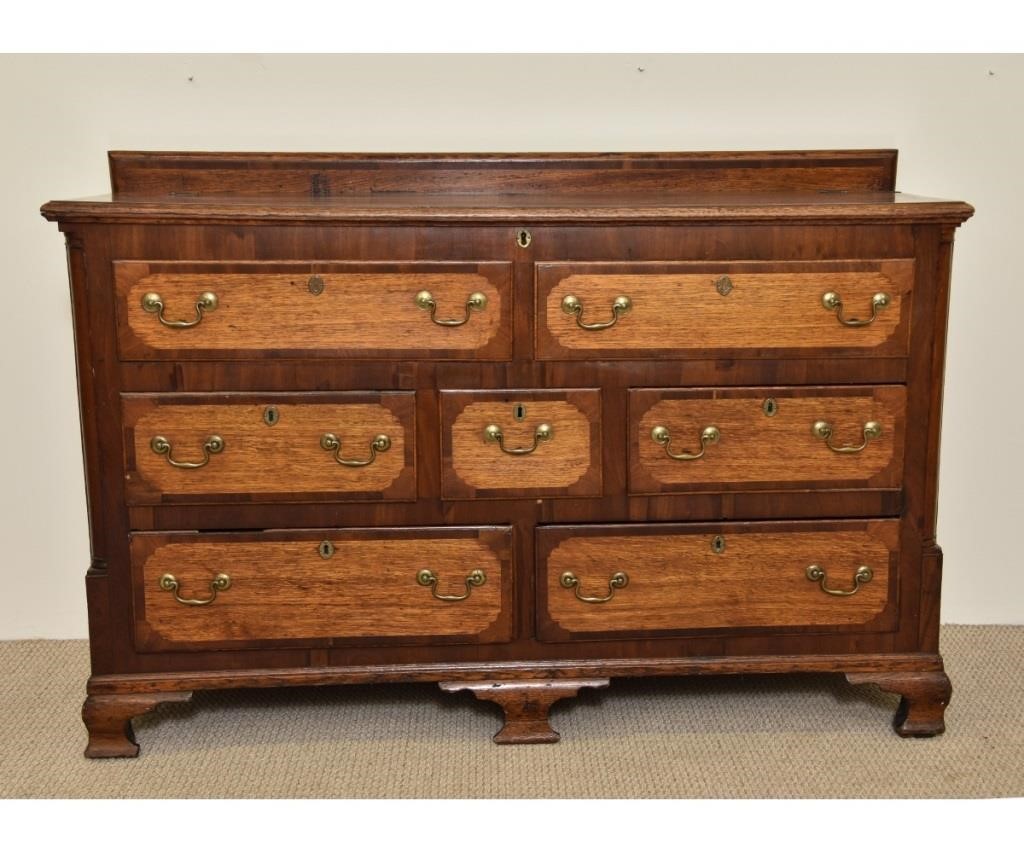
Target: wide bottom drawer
318,587
662,579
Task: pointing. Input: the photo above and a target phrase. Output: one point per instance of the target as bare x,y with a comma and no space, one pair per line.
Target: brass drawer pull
616,581
832,302
476,302
425,577
816,574
662,436
494,435
571,305
380,444
214,444
153,304
220,583
823,430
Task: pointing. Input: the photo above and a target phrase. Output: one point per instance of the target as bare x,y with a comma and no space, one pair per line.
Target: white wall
956,120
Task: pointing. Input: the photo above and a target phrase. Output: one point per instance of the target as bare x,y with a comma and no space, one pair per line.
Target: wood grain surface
283,589
677,309
676,581
280,461
364,310
511,211
659,218
525,703
758,451
568,463
923,699
109,721
591,174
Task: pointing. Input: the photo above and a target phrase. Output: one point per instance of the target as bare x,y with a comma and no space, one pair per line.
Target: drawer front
521,443
741,309
354,310
291,447
364,586
766,438
649,580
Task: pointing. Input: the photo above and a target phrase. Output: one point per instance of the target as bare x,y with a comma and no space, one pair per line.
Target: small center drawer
292,447
233,590
521,443
362,309
665,579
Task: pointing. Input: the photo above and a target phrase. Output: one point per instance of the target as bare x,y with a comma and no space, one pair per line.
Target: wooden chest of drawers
517,424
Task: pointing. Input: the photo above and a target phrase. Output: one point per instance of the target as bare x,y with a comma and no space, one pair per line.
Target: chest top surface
797,186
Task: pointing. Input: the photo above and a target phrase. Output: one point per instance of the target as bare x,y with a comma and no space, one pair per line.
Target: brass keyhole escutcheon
770,407
718,544
519,412
271,415
326,549
523,238
315,285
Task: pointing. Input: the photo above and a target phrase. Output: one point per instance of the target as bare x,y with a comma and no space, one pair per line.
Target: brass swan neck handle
380,444
494,435
709,435
475,578
823,430
476,302
162,447
817,574
572,306
220,583
831,301
153,303
619,580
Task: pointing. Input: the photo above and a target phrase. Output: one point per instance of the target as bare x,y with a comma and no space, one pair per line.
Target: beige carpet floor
782,736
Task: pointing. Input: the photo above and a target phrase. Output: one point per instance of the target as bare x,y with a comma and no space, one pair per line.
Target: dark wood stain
401,215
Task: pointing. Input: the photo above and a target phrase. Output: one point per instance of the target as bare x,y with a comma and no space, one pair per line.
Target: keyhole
523,238
271,416
519,411
718,544
770,407
326,549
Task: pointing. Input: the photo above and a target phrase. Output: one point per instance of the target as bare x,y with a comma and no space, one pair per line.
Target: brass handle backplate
616,581
161,446
425,577
823,430
816,574
709,435
494,435
571,305
476,302
380,444
220,583
832,302
152,303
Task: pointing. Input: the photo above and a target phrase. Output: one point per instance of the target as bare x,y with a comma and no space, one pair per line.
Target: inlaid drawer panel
230,447
520,443
299,587
659,579
744,309
708,439
360,309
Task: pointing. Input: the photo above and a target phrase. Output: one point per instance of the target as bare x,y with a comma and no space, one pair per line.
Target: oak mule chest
517,424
